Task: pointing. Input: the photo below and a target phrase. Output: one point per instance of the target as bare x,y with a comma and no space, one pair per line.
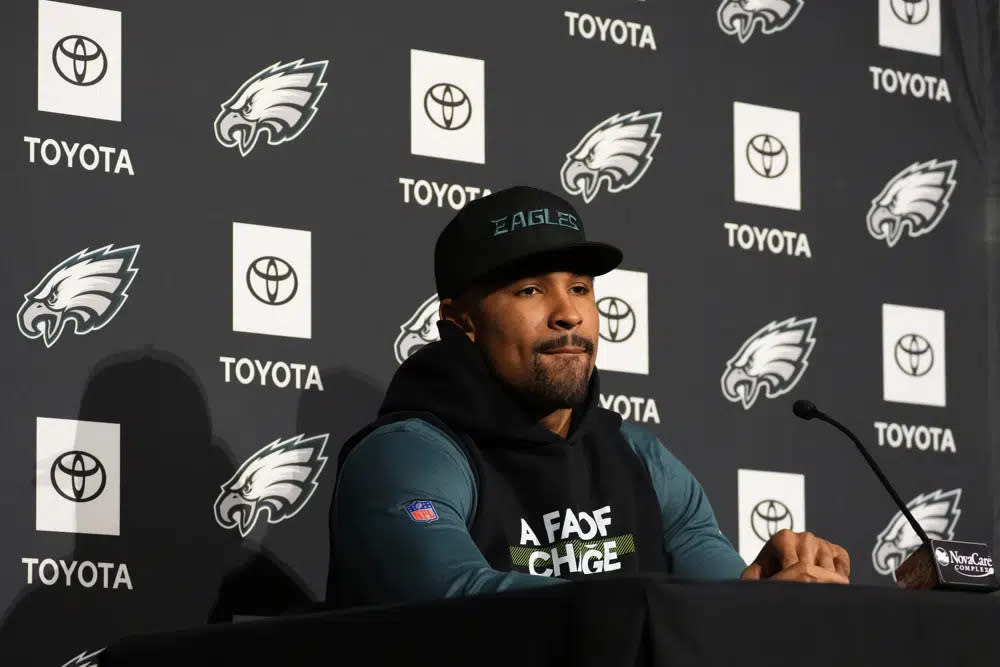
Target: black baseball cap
520,226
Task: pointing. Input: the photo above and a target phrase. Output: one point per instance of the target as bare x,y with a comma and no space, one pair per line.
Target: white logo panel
910,25
447,107
913,355
623,309
77,476
766,156
272,280
79,60
768,502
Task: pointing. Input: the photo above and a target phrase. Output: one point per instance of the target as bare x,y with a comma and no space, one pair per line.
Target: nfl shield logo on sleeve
422,511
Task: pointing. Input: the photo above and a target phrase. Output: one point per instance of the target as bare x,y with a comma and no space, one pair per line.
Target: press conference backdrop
219,223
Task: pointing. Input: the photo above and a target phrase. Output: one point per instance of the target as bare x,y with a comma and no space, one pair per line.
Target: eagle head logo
616,152
742,17
772,360
279,478
914,201
936,512
279,100
86,289
419,330
85,659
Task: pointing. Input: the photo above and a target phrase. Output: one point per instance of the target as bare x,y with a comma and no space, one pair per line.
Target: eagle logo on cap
616,152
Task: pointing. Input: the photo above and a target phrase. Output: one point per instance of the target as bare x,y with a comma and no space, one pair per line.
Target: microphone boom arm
878,471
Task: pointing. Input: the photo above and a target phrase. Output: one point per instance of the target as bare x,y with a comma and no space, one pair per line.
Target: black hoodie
545,504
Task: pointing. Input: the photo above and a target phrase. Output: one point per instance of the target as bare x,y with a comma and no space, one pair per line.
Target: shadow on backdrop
175,553
260,587
350,400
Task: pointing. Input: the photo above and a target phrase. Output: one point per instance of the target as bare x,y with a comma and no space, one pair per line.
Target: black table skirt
625,621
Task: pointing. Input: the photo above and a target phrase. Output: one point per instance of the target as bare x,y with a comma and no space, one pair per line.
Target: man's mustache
569,340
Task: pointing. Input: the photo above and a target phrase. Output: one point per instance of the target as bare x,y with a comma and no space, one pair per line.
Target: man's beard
558,386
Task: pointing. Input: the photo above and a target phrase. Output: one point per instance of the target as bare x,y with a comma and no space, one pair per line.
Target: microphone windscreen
804,409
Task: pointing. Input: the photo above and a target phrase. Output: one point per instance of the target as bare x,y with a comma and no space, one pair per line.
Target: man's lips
574,345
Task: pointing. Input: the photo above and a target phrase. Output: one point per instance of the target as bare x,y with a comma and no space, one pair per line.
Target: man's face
539,334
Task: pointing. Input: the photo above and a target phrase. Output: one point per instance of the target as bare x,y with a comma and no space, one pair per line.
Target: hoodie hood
451,379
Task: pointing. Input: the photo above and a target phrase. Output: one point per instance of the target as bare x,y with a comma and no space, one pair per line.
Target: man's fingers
752,572
784,546
841,560
824,557
776,554
810,573
808,548
827,576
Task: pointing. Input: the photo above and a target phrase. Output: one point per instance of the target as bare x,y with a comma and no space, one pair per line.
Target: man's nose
565,313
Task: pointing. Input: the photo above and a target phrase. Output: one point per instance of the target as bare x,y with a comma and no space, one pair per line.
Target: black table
623,621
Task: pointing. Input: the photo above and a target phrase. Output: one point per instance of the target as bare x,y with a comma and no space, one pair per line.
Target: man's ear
457,313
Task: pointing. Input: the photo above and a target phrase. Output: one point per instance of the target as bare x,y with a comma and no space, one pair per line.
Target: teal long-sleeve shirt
382,555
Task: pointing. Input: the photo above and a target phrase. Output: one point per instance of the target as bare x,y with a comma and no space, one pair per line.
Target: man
492,466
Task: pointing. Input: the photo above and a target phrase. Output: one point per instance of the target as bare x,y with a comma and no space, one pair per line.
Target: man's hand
790,556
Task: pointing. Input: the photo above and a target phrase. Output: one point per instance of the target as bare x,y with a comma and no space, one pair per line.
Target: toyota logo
617,319
447,106
768,517
78,476
272,280
79,60
767,156
914,355
911,12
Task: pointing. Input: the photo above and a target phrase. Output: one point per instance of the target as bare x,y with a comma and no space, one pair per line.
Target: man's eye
525,290
581,289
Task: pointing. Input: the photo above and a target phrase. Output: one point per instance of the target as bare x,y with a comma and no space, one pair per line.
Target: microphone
807,410
804,409
957,565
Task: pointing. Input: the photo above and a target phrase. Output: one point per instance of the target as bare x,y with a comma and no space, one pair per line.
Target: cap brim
589,258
